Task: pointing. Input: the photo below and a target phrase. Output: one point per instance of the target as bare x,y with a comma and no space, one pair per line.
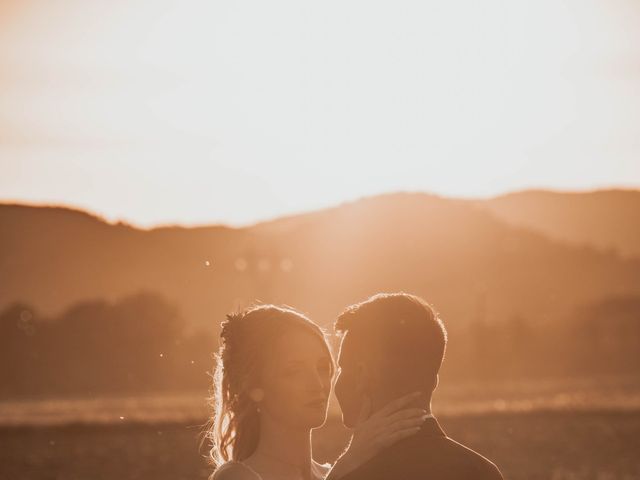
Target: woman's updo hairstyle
246,340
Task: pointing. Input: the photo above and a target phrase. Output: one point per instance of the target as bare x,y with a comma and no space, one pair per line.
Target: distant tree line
136,345
601,338
141,344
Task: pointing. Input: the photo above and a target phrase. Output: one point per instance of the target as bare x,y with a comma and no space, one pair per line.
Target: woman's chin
321,421
305,417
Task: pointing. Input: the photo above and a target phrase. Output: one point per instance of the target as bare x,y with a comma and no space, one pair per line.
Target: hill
607,219
461,256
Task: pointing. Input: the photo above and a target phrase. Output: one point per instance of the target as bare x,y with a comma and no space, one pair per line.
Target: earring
256,394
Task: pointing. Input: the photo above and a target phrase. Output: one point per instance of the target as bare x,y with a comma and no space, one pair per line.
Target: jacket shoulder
484,468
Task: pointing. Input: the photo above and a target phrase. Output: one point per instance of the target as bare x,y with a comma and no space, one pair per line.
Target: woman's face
297,380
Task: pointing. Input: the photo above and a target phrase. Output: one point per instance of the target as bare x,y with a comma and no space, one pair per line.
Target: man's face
349,386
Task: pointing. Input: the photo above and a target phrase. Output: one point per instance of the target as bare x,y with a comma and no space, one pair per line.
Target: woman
271,388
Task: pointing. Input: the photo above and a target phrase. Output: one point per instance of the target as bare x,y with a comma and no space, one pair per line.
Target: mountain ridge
458,254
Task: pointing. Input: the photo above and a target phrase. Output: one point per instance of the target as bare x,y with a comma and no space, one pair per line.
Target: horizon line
177,224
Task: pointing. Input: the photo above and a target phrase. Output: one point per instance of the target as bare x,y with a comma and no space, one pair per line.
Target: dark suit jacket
427,455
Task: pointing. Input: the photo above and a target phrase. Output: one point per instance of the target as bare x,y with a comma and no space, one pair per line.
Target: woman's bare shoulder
322,469
235,471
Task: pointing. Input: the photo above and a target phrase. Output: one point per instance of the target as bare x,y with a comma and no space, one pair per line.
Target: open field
536,445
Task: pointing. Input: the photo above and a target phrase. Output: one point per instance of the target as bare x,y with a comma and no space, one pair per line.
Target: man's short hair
401,331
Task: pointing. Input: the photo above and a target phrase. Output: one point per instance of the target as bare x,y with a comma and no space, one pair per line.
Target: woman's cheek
287,391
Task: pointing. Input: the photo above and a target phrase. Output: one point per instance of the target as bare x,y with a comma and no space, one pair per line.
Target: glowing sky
238,110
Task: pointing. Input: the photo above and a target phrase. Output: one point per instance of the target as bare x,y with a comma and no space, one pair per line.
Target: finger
405,424
397,404
395,437
405,414
388,428
365,410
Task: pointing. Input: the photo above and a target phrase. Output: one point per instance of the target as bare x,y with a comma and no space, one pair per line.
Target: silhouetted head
392,344
273,361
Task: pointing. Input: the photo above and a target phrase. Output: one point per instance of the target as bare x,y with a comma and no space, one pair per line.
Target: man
392,345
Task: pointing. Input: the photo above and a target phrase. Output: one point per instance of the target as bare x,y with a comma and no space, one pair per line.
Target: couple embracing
274,376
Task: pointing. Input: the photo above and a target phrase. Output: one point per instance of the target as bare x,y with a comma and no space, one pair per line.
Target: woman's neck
283,449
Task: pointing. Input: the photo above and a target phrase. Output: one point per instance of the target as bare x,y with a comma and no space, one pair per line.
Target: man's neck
382,399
